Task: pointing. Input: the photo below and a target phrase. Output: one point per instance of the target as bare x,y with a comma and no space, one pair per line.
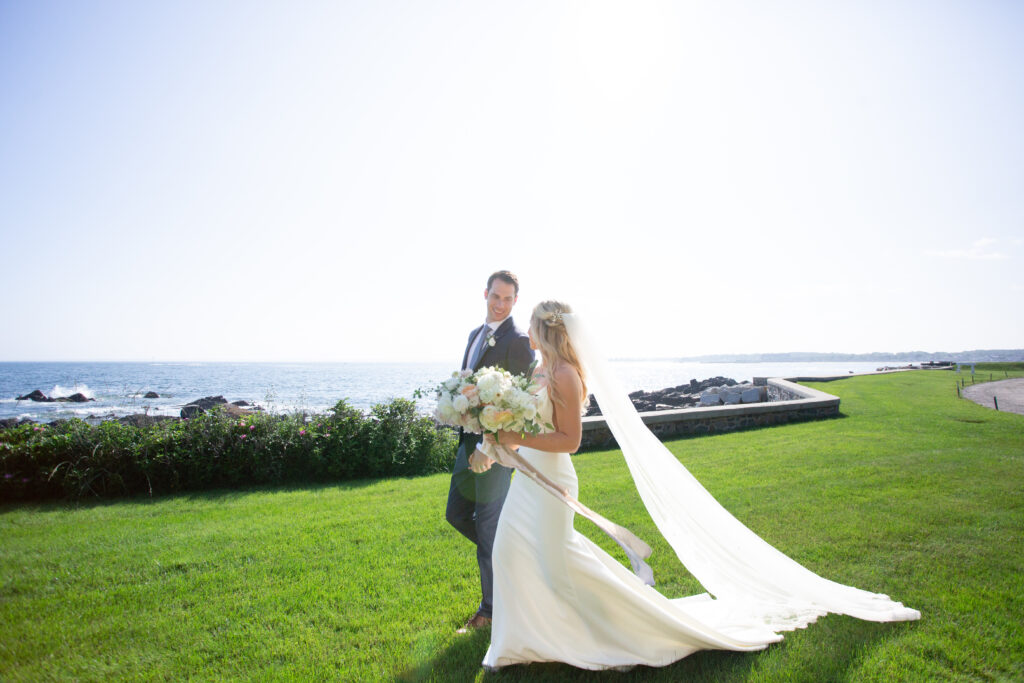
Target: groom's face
501,297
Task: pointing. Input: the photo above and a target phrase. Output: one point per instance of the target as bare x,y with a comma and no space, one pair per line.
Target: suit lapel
502,330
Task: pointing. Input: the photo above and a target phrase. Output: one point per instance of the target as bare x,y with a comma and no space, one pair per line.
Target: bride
559,597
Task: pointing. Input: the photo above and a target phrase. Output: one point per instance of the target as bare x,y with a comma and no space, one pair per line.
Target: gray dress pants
474,506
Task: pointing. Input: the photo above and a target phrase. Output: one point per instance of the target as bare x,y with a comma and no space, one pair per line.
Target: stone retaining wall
777,391
790,403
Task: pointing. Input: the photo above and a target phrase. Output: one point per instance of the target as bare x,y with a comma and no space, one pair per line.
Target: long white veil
732,563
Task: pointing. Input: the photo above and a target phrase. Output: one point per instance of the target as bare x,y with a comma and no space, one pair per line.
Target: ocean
306,387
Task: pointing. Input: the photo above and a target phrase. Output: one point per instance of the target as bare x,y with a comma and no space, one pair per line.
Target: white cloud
980,250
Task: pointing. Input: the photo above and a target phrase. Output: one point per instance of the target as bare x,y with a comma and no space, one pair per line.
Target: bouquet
491,400
488,401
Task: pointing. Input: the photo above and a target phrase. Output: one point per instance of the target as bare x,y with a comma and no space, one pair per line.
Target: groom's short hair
504,276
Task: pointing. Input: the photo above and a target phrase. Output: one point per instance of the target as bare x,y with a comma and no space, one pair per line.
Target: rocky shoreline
191,409
708,392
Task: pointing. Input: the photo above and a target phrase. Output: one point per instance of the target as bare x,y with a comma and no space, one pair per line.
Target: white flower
445,412
487,418
518,399
489,385
460,403
490,340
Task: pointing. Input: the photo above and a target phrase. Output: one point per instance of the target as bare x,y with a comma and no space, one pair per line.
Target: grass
1015,367
912,492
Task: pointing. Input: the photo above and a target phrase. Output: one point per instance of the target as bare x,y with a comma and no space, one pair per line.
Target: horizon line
710,357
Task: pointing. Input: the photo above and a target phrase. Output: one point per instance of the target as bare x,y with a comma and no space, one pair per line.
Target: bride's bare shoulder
565,378
564,372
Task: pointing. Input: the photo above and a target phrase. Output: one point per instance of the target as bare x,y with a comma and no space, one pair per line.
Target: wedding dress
559,597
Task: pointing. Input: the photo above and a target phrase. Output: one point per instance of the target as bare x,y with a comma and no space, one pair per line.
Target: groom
479,484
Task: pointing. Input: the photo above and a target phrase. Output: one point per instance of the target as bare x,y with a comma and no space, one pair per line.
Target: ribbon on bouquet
636,550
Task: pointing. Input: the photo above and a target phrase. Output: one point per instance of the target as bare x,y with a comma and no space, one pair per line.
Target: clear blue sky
335,180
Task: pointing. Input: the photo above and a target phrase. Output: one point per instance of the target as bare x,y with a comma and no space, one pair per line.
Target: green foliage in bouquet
74,459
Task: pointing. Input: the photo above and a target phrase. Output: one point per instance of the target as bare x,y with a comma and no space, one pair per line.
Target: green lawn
912,492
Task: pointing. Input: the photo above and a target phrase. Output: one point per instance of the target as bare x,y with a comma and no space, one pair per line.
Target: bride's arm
563,384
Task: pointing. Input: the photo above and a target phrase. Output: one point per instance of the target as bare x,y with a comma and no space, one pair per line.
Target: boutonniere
490,339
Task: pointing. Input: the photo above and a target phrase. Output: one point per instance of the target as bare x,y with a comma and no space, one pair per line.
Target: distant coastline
976,355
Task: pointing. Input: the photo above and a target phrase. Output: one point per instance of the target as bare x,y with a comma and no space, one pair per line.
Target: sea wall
790,402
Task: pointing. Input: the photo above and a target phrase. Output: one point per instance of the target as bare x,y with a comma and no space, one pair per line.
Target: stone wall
776,393
790,403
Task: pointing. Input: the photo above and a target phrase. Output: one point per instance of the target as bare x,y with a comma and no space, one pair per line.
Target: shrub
73,459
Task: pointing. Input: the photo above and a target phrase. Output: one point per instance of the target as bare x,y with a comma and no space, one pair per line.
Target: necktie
478,348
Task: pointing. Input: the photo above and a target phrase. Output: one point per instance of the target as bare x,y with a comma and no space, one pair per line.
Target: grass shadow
459,661
233,494
831,649
217,494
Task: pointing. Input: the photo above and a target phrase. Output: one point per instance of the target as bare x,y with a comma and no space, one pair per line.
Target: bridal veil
756,583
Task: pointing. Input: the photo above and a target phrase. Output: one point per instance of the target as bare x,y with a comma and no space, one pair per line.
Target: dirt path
1009,393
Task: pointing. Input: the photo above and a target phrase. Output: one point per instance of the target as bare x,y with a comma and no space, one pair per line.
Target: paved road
1009,392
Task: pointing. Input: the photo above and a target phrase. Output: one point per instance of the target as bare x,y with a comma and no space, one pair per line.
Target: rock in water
201,405
73,398
37,396
235,411
151,394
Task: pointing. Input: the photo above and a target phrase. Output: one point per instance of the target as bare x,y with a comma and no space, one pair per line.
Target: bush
74,459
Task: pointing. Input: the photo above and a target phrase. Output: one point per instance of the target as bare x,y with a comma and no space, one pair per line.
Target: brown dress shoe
475,622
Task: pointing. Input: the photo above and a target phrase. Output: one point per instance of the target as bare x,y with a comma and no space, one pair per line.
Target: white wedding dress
559,597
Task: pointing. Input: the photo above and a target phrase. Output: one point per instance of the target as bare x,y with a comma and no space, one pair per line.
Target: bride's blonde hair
548,331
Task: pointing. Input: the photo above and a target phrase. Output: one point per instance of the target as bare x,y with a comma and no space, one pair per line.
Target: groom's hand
478,462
